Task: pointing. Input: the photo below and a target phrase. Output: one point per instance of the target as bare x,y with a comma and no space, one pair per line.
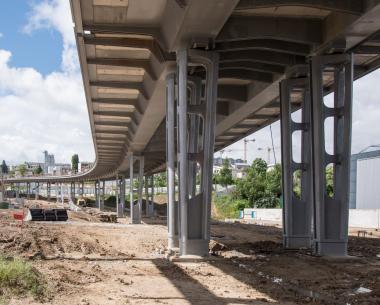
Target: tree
4,168
74,163
225,175
330,181
261,187
22,169
38,170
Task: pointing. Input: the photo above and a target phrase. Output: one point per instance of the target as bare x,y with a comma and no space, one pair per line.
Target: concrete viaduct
169,82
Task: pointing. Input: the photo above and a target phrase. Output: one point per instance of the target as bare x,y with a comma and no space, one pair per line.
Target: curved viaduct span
168,82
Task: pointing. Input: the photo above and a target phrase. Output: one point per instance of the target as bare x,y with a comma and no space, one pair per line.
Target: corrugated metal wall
368,184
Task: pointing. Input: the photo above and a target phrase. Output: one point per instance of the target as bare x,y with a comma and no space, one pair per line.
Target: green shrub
228,207
18,278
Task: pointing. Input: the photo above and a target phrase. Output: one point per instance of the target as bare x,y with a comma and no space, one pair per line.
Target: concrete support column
136,208
172,209
17,190
81,190
48,191
121,190
72,192
28,190
195,211
331,213
62,193
297,208
57,191
37,189
97,194
149,190
140,187
103,194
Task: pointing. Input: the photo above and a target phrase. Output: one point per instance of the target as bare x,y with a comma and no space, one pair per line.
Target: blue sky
40,49
42,103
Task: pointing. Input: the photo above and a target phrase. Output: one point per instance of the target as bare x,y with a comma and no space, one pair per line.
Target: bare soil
88,262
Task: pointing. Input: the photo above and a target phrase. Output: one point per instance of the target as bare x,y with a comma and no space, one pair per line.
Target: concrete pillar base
173,242
297,242
331,248
197,247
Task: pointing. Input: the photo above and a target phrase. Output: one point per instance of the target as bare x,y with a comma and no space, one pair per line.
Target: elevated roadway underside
127,47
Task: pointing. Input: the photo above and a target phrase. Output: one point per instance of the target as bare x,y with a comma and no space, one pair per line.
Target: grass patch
19,278
228,207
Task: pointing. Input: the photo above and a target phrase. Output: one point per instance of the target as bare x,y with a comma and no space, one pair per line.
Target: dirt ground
88,262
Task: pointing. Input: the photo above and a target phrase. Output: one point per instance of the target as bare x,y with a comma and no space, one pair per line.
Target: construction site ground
85,261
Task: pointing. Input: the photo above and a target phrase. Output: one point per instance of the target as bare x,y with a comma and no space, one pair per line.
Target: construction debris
47,215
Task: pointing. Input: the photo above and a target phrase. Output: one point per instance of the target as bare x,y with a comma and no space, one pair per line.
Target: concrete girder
344,6
117,114
114,132
125,62
119,101
237,93
245,75
264,44
122,29
306,31
128,125
252,66
130,42
267,57
121,85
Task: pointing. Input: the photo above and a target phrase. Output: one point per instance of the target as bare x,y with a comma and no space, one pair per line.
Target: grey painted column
195,212
117,194
152,194
297,210
57,191
28,190
140,187
17,190
102,197
121,201
149,191
37,189
97,195
81,189
132,205
331,213
195,89
173,212
62,193
48,191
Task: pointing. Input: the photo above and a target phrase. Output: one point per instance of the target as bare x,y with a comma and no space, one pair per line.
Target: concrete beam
262,56
300,30
264,44
121,85
344,6
125,62
140,43
252,66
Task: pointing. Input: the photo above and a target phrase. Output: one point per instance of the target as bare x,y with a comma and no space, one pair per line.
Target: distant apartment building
218,161
84,166
49,161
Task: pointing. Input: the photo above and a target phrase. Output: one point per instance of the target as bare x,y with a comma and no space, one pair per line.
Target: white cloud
56,15
39,113
44,112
